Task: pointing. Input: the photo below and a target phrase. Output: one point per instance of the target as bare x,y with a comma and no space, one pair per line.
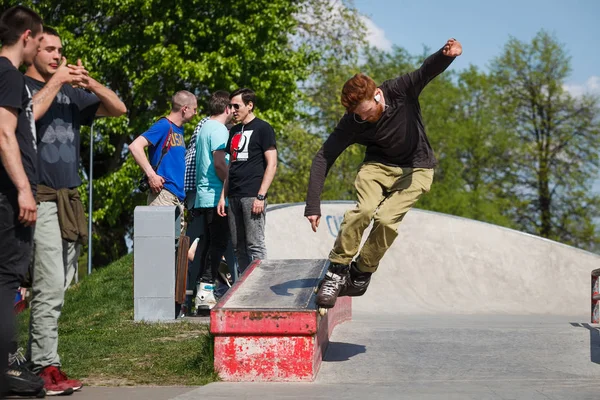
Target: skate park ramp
458,309
441,264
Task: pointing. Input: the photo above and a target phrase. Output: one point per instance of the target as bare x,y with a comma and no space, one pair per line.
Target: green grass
101,344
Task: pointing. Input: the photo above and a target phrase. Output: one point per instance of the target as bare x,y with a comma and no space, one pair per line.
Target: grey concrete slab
279,284
539,390
131,392
396,350
155,231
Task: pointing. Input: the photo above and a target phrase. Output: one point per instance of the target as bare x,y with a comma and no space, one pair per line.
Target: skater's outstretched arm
336,143
412,84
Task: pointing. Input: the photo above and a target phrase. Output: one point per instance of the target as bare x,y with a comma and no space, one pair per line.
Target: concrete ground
425,357
458,310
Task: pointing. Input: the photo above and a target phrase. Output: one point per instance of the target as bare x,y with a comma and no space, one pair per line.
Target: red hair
356,90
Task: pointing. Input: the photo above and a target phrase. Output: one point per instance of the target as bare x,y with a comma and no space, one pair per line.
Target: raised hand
79,74
70,74
452,48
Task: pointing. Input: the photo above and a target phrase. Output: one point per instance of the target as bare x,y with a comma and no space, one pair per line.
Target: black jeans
213,231
217,232
16,242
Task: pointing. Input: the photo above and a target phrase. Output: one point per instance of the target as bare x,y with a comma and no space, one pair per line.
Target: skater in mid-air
397,170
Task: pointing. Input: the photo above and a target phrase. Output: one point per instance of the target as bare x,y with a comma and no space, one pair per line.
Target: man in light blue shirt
211,171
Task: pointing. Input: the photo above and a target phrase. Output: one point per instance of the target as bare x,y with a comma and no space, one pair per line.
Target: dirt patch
103,380
180,337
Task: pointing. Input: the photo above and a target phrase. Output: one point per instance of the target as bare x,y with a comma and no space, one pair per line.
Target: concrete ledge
267,327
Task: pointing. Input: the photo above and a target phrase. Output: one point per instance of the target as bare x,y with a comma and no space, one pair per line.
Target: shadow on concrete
282,289
594,340
339,351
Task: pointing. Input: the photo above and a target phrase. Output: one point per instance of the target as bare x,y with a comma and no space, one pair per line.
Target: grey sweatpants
55,265
247,231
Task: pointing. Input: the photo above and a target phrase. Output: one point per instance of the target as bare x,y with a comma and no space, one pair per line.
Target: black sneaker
357,283
20,380
332,283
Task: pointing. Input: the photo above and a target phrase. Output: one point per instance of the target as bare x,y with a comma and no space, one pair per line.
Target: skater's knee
363,211
388,222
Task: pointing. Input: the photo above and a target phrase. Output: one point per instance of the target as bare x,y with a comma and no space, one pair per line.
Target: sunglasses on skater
234,106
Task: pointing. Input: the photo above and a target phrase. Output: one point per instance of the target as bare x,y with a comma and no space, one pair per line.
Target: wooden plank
181,269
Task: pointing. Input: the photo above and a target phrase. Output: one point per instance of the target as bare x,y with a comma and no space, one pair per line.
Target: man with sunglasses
166,168
252,167
397,170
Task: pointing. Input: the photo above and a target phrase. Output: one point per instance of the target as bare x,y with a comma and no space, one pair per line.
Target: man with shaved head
165,168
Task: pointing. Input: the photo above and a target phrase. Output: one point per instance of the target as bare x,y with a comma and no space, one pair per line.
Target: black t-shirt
247,145
15,95
59,134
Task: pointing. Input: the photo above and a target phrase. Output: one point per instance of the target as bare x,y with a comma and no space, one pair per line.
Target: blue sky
483,27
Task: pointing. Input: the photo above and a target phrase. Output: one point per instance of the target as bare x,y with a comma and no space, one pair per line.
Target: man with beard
397,170
60,110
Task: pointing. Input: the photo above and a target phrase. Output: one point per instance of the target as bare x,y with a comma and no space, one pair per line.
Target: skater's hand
452,48
314,221
258,206
221,208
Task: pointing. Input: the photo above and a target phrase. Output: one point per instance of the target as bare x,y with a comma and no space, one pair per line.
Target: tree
146,50
560,140
461,115
333,32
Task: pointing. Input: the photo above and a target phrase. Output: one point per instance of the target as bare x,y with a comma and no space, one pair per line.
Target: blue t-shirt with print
172,166
212,137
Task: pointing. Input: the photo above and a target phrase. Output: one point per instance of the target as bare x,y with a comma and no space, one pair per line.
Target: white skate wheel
322,311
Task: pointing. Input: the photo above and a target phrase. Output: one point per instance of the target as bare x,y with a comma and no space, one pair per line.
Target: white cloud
324,15
591,86
376,35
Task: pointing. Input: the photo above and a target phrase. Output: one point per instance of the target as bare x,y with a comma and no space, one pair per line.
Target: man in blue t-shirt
211,171
166,168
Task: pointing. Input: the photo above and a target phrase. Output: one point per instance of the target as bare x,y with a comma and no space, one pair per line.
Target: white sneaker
205,298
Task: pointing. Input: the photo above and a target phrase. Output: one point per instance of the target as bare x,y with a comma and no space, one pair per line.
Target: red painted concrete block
270,344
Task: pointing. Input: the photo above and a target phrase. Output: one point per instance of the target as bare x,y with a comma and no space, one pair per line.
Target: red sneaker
54,388
61,377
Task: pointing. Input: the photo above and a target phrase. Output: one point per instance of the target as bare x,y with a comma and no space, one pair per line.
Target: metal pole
90,198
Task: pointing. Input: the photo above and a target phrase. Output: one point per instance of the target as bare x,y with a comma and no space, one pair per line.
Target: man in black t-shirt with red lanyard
252,166
20,32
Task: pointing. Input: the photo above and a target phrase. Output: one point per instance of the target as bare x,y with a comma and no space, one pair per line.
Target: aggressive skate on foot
357,282
332,283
